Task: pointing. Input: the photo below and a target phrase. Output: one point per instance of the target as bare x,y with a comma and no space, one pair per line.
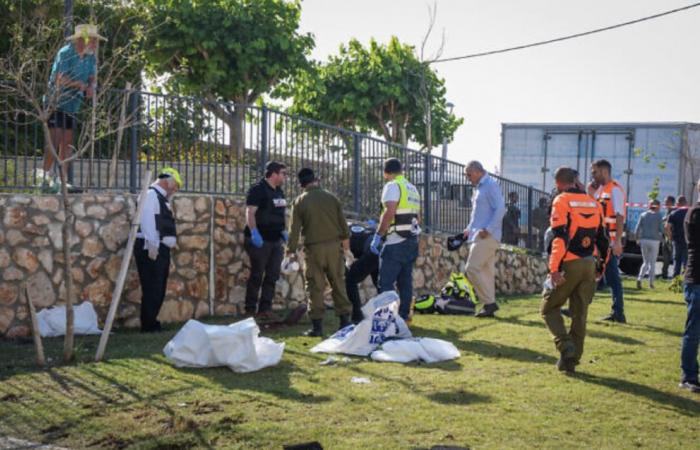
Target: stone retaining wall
31,253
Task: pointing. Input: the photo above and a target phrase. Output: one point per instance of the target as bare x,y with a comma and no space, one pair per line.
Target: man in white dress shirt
155,237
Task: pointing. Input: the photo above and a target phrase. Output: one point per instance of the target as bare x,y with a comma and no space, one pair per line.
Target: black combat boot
344,321
567,358
316,328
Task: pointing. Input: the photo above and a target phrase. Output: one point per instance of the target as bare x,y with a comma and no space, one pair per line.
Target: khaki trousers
579,287
325,262
481,268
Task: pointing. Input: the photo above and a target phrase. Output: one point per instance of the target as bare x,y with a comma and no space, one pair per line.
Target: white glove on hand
152,251
349,258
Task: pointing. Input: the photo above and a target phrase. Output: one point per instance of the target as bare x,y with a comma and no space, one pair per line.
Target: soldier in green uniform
317,215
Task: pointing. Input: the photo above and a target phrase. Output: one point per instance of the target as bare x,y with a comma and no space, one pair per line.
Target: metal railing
222,148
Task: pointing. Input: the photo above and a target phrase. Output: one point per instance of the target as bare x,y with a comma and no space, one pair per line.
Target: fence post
530,244
426,191
133,114
356,167
264,150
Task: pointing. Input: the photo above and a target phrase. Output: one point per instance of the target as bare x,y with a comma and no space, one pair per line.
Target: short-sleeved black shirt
272,206
676,220
692,235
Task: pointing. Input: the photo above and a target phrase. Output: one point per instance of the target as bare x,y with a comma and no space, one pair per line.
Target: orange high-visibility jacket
605,199
577,224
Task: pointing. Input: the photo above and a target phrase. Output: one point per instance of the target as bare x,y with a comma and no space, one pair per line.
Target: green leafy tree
27,101
229,51
646,156
380,88
121,22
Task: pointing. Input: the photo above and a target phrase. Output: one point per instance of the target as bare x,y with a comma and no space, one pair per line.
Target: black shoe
295,315
265,317
614,318
357,318
567,359
487,310
344,321
154,328
692,386
639,284
565,312
316,329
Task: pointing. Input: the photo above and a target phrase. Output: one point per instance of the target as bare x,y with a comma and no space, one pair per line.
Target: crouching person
155,237
365,264
574,264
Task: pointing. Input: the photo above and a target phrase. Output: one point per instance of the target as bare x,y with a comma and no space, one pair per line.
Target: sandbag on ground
237,346
52,321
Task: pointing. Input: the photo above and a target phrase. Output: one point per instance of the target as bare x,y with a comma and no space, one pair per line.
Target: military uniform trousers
324,261
578,288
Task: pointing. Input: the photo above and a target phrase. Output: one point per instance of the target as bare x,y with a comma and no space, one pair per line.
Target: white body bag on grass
425,349
384,335
52,321
237,346
381,322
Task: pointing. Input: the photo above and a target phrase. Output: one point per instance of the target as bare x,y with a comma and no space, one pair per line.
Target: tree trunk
112,176
236,125
68,276
234,120
428,127
65,239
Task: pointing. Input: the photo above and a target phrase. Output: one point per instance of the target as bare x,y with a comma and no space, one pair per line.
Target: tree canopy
380,88
235,50
230,50
121,22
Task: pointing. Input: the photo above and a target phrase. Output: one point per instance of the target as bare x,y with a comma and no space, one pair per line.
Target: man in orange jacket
579,248
611,197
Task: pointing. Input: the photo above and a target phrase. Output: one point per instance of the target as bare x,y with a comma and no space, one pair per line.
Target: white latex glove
152,251
349,258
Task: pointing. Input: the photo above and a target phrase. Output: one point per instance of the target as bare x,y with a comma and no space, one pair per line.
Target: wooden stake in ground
38,345
121,279
212,259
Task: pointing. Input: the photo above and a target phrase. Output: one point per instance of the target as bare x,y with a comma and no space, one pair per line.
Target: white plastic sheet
382,322
289,266
52,321
237,346
384,336
424,349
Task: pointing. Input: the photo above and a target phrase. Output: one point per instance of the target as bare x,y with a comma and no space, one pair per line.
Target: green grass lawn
504,392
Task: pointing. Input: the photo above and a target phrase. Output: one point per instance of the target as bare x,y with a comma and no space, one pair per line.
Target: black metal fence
222,148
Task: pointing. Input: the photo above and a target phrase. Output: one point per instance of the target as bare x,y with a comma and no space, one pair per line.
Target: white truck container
531,152
642,155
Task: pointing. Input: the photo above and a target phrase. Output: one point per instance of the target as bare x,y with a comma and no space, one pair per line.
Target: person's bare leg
56,140
66,151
